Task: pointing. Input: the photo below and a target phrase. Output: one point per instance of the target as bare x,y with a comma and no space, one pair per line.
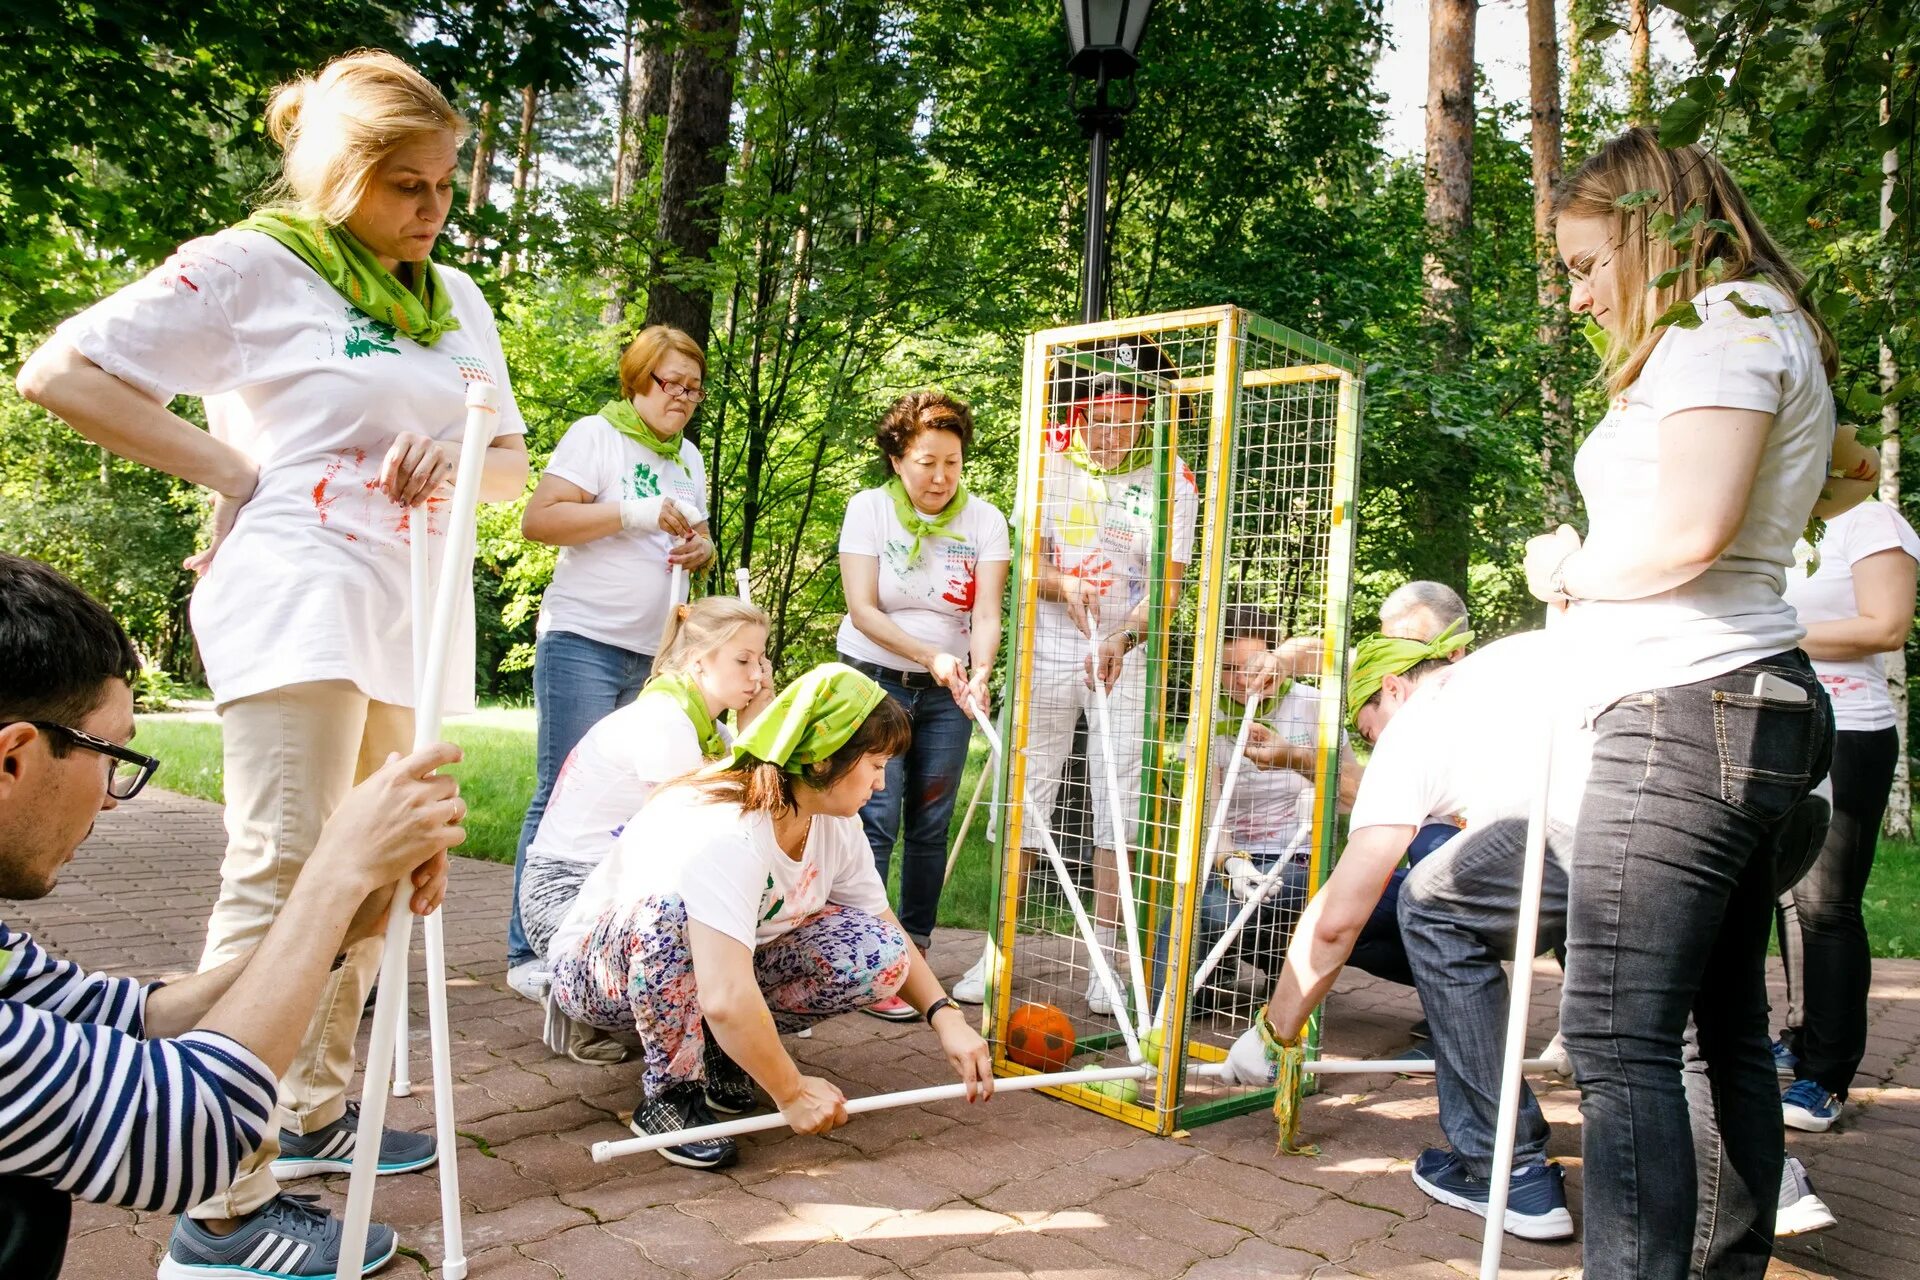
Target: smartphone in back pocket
1777,688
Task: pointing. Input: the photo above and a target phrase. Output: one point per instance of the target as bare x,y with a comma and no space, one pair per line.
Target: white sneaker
1800,1209
972,987
1554,1057
1097,995
531,980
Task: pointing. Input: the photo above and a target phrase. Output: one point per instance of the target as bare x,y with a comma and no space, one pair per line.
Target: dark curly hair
918,411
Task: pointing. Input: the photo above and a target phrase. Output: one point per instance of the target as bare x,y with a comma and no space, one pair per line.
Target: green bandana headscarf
686,695
923,526
1377,657
423,313
629,424
812,718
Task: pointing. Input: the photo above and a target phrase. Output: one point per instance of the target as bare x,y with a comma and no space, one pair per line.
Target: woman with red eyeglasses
624,498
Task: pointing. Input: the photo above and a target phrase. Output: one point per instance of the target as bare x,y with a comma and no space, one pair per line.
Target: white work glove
1247,1061
641,515
1243,878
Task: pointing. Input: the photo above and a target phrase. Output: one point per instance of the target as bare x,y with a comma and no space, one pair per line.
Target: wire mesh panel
1183,555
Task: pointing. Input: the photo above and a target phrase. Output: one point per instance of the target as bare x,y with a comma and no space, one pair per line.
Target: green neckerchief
1229,710
811,719
424,312
1134,459
629,424
1595,335
679,686
1377,657
923,526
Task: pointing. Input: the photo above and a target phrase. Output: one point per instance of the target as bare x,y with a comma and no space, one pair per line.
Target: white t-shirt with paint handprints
931,597
312,583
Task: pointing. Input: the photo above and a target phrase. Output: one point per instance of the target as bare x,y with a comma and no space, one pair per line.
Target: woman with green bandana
714,661
742,902
624,498
332,357
924,566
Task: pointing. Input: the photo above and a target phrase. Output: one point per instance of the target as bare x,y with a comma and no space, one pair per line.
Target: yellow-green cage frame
1309,361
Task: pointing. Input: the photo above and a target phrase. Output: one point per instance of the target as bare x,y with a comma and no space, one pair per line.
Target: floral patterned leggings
635,969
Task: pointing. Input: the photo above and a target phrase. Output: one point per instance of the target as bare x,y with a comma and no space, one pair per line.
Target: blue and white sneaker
1808,1107
1536,1200
1784,1059
288,1238
330,1149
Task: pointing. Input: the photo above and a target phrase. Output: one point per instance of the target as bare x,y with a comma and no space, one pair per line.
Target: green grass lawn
497,779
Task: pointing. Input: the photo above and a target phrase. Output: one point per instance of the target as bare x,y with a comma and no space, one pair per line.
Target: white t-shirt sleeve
511,422
995,545
1186,509
724,882
855,883
664,745
863,531
1729,361
172,333
1877,527
696,468
1398,788
583,456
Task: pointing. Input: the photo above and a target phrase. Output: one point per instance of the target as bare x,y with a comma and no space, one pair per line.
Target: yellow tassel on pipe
1289,1059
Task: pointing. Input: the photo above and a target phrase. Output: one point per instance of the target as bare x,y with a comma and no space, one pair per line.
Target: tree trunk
622,125
1899,819
522,166
1443,507
1556,394
1578,133
1640,65
648,90
693,169
480,178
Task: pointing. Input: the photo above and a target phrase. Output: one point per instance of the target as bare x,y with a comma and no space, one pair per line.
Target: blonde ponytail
701,627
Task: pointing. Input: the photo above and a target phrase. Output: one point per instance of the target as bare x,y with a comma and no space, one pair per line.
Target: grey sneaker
288,1238
330,1149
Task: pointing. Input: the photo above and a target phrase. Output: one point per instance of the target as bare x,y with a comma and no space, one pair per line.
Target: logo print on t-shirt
778,903
644,483
366,336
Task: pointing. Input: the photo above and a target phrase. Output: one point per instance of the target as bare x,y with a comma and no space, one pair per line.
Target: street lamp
1103,40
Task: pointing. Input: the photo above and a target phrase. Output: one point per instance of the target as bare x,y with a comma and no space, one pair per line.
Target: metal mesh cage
1183,538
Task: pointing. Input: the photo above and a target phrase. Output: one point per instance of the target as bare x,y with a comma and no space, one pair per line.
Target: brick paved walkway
1027,1186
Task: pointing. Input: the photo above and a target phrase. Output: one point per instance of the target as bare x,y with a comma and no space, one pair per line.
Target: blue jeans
576,682
1457,917
1668,913
923,783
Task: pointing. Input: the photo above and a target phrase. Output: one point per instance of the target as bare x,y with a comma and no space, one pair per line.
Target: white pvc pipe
743,584
605,1151
482,412
1103,972
1122,861
1268,883
1526,938
419,578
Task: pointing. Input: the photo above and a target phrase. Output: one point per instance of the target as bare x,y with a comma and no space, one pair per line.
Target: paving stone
682,1243
593,1251
1050,1249
504,1263
834,1261
1258,1260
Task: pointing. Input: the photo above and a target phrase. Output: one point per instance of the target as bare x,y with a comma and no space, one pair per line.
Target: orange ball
1041,1037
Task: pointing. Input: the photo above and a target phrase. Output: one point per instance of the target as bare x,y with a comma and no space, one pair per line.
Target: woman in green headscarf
742,902
332,356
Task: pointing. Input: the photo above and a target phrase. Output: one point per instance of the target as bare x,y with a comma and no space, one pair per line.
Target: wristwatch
1132,637
1557,580
942,1003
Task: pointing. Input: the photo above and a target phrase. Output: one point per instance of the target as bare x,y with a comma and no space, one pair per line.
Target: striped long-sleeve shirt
92,1107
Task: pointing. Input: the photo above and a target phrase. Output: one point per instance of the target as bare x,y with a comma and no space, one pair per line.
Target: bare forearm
1314,960
984,645
1850,639
568,524
127,423
744,1028
875,625
178,1007
504,475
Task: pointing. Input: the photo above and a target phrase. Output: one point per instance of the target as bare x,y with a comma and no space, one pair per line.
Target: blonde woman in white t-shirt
1710,724
624,498
1854,593
332,357
714,661
923,564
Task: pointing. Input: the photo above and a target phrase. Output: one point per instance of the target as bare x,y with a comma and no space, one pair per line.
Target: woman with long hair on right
1710,725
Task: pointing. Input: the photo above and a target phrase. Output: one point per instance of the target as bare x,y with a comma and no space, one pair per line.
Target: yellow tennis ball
1151,1046
1119,1090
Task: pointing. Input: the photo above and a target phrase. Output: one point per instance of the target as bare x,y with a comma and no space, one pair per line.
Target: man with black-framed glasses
150,1096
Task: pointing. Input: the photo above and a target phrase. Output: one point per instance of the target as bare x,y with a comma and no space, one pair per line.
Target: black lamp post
1103,40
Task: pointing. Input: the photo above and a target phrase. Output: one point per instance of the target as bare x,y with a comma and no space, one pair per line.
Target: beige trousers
292,754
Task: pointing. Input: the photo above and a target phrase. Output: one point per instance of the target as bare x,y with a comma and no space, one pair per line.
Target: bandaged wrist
1275,1043
641,514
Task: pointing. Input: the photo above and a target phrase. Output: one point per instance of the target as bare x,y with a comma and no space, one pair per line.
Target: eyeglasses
679,390
1578,269
130,769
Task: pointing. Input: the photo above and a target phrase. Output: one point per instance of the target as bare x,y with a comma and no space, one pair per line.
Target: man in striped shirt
149,1096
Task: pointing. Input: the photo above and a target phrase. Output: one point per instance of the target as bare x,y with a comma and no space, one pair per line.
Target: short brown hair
59,648
644,354
759,787
918,411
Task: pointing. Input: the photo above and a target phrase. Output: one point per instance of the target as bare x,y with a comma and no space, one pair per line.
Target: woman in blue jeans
924,565
1710,725
624,498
